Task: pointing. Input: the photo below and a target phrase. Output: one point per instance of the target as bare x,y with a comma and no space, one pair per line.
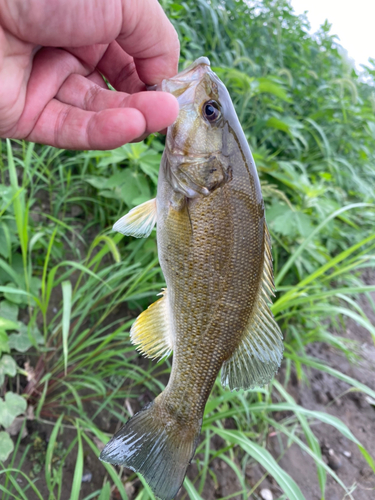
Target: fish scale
214,250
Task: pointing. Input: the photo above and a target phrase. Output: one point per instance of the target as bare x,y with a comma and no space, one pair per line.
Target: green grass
86,347
70,287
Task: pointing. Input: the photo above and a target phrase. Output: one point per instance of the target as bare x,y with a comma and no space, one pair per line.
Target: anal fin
139,222
151,332
259,355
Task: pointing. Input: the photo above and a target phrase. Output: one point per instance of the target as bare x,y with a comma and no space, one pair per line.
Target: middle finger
158,108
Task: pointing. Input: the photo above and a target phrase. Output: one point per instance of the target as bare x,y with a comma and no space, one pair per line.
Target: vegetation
70,287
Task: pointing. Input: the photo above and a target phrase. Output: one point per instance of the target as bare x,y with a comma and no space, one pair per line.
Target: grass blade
147,489
288,485
303,446
109,468
49,453
67,307
78,470
310,437
315,363
105,494
15,484
192,492
301,248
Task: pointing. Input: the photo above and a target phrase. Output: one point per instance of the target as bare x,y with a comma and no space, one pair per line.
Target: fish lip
160,87
200,61
186,77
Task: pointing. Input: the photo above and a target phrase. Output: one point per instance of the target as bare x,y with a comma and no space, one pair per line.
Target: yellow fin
139,222
258,356
151,332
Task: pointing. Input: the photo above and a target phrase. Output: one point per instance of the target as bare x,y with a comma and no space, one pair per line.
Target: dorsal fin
139,222
151,332
258,356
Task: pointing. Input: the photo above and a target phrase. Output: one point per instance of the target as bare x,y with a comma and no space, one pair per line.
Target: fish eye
211,111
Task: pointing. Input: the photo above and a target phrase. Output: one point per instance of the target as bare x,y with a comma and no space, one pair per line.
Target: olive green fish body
211,252
214,250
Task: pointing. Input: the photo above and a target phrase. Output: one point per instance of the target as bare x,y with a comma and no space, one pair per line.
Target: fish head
203,100
206,147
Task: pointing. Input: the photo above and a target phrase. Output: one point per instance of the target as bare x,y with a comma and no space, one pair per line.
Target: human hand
52,56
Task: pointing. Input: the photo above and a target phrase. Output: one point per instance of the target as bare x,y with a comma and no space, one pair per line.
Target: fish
214,249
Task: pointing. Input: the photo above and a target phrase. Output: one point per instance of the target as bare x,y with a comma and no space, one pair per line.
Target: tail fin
152,445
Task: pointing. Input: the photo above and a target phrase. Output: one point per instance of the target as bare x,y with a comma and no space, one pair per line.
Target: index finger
150,38
140,26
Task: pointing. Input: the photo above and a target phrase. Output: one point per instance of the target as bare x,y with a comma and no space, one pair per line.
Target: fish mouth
194,70
183,85
192,73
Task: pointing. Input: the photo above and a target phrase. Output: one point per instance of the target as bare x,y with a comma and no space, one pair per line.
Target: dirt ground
323,393
328,394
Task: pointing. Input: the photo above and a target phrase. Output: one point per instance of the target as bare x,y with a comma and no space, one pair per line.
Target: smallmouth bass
215,252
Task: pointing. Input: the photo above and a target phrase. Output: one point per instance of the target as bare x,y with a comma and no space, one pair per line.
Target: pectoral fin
152,332
139,222
258,356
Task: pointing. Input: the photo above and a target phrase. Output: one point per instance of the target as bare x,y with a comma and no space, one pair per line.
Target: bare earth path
326,393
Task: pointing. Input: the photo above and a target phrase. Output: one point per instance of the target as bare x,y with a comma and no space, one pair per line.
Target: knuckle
126,73
90,132
91,96
61,120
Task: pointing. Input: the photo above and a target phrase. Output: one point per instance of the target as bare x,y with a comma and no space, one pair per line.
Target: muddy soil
327,394
322,392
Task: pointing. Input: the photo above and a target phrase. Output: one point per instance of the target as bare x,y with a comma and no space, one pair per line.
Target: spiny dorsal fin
151,332
139,222
258,357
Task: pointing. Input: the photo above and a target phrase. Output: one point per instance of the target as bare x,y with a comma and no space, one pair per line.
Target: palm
58,95
12,90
